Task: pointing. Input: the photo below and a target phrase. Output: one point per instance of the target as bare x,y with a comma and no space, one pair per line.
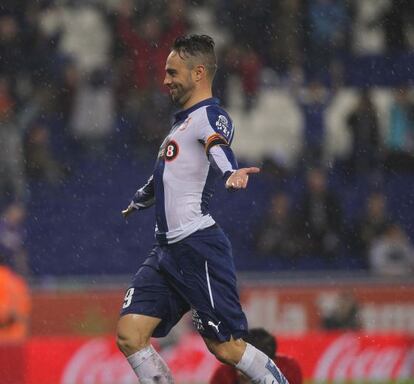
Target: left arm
217,138
222,158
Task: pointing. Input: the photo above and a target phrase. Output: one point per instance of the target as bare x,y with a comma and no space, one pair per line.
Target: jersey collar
182,115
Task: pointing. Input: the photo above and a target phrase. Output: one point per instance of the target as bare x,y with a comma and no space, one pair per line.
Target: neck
198,97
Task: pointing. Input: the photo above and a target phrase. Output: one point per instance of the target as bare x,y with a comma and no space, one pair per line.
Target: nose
167,80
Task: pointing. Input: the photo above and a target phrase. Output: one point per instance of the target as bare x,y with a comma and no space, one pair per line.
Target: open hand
240,178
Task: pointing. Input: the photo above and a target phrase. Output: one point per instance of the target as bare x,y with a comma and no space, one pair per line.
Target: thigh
201,268
150,294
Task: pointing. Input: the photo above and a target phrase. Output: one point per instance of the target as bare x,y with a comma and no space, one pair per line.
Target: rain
318,94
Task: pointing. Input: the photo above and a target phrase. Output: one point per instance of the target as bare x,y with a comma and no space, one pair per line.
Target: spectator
343,314
242,20
367,29
284,45
12,238
363,125
94,112
275,238
319,217
82,33
12,177
14,305
267,343
394,22
147,42
400,139
243,62
313,102
11,53
39,160
392,254
372,223
326,31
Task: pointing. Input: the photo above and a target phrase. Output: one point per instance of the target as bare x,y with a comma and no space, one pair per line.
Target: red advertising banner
280,309
322,356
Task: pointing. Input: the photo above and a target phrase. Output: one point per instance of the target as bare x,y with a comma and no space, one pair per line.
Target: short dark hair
197,46
262,340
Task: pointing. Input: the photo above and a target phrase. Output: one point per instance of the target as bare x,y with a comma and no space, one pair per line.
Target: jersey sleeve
145,196
217,135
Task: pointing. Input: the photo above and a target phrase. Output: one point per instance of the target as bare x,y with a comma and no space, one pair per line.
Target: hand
239,178
128,211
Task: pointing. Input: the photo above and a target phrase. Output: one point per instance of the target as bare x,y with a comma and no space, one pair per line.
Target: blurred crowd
79,76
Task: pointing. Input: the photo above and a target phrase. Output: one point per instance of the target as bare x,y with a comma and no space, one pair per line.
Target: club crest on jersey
184,125
222,125
170,151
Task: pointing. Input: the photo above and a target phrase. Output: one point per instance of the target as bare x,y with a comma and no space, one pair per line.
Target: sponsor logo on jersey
222,125
170,150
197,322
215,326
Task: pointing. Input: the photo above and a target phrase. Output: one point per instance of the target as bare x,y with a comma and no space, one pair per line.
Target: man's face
179,78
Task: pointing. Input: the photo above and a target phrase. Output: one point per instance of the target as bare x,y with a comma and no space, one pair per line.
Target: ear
200,72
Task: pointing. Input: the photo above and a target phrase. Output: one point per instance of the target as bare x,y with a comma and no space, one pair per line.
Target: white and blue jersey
191,267
195,152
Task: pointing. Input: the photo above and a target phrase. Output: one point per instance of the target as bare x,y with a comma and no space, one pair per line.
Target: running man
191,266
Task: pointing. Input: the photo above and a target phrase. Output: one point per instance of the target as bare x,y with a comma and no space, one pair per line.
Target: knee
229,352
223,355
130,340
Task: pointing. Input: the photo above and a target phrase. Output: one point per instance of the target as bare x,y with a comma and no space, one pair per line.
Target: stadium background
82,111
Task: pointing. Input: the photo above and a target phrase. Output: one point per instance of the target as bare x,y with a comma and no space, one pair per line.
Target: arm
223,160
143,198
217,136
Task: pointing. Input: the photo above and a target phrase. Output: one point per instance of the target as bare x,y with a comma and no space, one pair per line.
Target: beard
180,94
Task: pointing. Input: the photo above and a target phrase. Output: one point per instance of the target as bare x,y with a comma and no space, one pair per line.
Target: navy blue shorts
195,274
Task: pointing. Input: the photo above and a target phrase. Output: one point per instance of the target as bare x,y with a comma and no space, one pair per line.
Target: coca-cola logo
98,362
348,358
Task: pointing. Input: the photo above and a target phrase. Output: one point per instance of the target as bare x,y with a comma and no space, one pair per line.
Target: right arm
143,198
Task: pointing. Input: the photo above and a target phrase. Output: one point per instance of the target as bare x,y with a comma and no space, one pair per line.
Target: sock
259,368
149,367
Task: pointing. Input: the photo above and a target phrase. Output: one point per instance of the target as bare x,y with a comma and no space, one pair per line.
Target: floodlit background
320,92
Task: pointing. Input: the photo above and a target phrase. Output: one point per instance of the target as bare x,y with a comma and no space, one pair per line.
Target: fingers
127,211
240,178
238,182
252,170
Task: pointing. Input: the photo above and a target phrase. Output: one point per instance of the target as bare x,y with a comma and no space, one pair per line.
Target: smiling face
180,78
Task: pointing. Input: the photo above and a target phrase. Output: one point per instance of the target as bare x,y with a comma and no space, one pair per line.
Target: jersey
14,306
192,156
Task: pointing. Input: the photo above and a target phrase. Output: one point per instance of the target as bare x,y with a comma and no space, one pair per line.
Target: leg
150,308
247,359
133,339
228,352
134,332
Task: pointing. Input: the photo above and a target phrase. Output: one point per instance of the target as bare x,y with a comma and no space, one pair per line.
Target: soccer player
191,266
267,343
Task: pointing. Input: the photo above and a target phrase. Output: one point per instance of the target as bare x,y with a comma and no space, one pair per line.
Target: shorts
196,273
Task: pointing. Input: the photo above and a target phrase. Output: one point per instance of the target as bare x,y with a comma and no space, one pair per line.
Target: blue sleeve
145,196
217,129
218,138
